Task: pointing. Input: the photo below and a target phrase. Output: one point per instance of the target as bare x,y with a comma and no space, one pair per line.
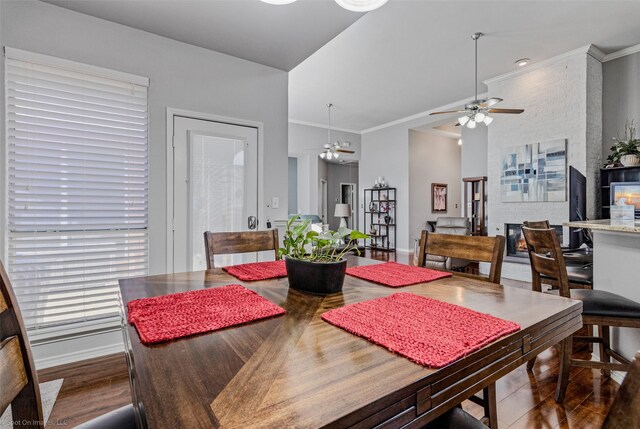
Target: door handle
252,222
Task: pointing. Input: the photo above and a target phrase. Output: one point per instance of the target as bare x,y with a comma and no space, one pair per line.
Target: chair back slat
537,224
224,243
625,410
16,363
546,258
471,248
12,372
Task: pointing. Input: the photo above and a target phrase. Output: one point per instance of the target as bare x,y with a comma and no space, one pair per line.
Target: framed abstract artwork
534,172
438,197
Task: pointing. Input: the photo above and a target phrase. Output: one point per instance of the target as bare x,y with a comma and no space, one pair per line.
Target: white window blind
77,188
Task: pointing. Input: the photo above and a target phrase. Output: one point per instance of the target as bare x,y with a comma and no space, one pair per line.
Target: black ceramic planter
321,278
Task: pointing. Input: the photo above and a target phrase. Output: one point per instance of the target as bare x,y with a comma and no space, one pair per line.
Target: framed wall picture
438,197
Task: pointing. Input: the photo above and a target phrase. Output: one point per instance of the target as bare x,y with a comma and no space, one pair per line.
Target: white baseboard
404,250
72,350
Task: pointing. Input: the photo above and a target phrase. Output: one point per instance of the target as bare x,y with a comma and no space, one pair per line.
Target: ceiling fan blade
490,102
345,151
512,111
457,124
448,111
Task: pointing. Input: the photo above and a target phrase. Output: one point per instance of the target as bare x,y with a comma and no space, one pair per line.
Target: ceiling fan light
322,155
463,120
471,124
335,155
459,142
480,117
278,2
360,5
488,120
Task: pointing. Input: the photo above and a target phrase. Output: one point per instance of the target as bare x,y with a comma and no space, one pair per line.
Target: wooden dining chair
468,247
580,276
225,243
477,249
19,387
19,379
599,307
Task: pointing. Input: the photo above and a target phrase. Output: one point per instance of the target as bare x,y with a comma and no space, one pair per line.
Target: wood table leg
565,365
490,405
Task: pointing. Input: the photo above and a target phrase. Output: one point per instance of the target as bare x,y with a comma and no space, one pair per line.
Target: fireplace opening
516,244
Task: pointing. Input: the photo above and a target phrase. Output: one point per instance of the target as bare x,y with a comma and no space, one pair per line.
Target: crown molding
312,124
622,53
455,104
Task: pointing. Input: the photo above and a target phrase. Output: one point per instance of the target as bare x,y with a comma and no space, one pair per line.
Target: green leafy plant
627,145
325,246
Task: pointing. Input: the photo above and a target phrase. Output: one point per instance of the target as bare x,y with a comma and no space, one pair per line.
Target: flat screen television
630,191
577,206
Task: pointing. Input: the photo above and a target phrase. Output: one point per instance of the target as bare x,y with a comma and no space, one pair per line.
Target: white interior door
324,201
215,187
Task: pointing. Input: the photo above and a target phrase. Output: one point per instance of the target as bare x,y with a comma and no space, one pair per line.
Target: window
77,190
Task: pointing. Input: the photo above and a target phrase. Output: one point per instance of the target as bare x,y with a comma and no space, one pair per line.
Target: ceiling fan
479,110
333,150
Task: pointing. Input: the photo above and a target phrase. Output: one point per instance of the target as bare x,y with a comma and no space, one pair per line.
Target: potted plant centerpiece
626,150
315,260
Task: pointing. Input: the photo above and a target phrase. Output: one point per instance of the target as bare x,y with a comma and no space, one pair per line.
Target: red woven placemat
164,318
396,275
427,331
258,270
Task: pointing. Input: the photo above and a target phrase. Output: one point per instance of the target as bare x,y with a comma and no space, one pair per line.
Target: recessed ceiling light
361,5
278,1
523,62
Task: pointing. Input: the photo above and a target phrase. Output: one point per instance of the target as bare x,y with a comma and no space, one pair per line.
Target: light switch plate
275,202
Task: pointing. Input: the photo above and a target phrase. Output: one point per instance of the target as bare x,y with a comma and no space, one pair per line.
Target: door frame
171,113
323,207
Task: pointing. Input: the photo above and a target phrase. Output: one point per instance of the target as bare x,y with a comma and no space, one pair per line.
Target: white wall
474,151
620,97
386,153
305,144
432,159
181,76
562,100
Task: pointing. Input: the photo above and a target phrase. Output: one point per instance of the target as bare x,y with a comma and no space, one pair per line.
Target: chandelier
352,5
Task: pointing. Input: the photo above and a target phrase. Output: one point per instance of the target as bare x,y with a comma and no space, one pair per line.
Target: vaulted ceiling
407,57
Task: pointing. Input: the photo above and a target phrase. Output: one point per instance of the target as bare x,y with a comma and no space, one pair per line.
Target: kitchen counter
607,225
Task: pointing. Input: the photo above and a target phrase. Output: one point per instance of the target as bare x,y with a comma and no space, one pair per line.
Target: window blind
77,190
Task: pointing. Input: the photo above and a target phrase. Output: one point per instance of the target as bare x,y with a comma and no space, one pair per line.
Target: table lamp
343,211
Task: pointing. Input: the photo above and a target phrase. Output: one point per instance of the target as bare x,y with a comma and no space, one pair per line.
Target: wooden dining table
298,371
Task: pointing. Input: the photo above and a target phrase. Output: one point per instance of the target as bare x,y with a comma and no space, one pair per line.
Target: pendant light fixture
352,5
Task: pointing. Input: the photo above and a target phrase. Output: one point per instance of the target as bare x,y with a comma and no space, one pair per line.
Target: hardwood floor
525,399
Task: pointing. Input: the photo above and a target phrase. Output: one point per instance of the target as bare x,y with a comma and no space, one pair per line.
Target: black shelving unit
610,175
380,217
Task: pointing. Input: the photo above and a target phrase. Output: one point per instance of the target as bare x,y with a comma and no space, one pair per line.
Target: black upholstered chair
599,308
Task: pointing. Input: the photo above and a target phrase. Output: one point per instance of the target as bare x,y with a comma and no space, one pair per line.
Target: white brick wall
562,100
